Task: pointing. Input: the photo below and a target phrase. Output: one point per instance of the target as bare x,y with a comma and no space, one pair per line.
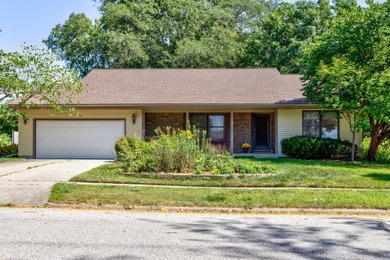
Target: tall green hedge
306,147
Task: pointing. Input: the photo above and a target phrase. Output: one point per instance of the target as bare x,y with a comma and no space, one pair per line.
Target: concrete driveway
30,182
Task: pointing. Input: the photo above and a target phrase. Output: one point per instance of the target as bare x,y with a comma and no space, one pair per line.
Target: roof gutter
221,105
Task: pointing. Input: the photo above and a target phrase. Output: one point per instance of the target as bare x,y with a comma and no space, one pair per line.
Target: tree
158,34
79,43
282,35
33,77
348,68
8,123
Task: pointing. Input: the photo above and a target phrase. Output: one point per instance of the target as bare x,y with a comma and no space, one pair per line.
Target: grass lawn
2,160
288,173
217,197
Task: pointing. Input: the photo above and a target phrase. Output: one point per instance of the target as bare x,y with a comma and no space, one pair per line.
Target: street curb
227,210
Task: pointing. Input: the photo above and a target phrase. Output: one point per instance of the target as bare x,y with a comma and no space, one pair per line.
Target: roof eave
197,105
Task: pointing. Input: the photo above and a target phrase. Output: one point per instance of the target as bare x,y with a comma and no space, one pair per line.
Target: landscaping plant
306,147
6,146
8,149
180,151
5,139
383,154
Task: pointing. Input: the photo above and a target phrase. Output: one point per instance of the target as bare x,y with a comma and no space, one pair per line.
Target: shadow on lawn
378,176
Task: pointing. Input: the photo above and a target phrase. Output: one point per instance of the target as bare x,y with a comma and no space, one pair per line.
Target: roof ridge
107,69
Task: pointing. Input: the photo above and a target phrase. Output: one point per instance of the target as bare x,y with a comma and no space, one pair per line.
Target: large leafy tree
282,35
348,68
34,77
158,34
79,43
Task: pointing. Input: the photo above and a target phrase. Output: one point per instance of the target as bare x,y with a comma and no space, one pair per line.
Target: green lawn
288,173
2,160
217,197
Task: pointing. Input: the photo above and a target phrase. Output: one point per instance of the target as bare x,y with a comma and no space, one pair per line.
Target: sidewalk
217,187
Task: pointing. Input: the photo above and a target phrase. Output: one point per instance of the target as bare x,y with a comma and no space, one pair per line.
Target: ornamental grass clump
179,151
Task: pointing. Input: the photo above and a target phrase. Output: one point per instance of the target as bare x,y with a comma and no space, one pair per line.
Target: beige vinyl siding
289,123
346,134
26,131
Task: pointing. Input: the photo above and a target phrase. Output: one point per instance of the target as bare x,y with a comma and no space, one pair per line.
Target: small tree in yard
348,68
32,78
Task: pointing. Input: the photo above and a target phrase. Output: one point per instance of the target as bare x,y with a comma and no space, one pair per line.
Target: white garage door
77,138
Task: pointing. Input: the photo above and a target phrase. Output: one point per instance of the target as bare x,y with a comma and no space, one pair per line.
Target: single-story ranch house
235,106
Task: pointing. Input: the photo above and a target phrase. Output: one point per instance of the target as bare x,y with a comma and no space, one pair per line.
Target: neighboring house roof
190,87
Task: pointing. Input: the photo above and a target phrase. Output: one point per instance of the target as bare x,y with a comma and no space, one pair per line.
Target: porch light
133,118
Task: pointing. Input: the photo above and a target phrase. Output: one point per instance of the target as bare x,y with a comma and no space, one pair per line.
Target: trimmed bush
306,147
8,149
180,151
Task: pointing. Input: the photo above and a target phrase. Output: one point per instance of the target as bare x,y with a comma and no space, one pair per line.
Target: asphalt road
85,234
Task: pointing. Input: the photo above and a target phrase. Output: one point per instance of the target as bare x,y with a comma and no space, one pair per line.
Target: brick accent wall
155,120
242,130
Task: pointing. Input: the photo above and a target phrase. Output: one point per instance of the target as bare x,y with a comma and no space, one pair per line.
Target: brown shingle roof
190,86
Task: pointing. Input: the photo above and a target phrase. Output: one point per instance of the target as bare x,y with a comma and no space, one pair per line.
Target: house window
317,124
213,124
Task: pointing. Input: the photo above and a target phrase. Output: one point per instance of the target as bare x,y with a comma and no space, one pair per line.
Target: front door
261,132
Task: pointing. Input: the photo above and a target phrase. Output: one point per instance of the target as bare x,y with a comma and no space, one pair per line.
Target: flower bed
180,151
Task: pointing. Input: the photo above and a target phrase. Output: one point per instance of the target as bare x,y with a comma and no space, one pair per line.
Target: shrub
306,147
5,139
8,149
383,153
136,154
179,151
125,146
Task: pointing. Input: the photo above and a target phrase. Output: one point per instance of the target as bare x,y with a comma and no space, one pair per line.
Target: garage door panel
77,138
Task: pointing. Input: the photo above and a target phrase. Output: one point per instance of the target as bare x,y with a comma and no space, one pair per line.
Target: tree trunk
374,144
380,131
353,145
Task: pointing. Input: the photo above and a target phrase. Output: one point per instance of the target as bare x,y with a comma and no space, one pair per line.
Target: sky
31,21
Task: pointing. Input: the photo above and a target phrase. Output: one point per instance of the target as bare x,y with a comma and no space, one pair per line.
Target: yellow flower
189,134
245,145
